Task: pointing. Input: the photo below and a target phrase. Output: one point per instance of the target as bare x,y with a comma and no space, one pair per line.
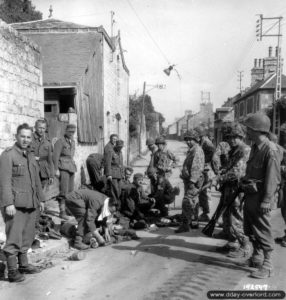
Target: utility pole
260,35
240,75
142,116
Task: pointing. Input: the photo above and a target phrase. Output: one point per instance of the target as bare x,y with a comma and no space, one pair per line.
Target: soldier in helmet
229,182
164,159
208,149
192,175
260,185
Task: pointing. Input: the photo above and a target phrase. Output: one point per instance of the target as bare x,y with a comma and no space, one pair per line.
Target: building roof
268,83
54,26
221,109
65,56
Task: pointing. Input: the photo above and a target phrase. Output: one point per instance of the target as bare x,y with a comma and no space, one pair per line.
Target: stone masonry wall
21,93
116,95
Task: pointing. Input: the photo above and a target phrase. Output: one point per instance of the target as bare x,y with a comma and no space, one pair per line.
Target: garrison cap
71,126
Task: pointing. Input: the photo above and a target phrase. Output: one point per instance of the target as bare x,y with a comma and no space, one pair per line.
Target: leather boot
13,273
2,270
25,267
63,215
242,251
183,228
78,244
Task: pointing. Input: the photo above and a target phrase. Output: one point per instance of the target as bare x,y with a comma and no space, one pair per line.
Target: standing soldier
229,181
208,149
65,166
163,158
111,144
152,147
260,185
42,149
20,195
113,170
192,175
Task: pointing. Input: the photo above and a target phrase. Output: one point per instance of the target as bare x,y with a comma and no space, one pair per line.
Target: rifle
221,208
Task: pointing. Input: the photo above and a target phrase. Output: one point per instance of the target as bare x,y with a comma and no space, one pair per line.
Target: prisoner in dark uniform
94,164
86,206
65,166
192,175
111,144
20,195
150,143
113,170
260,185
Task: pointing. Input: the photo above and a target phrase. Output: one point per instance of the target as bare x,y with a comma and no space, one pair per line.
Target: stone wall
116,97
21,93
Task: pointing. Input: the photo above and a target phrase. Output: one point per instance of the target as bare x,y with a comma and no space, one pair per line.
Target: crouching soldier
192,175
89,207
20,196
163,192
137,204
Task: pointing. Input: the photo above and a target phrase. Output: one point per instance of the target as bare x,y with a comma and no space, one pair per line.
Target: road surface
161,265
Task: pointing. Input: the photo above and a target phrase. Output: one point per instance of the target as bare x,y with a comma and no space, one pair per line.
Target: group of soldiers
249,180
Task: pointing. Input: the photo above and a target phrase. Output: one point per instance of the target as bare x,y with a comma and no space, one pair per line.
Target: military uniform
20,185
63,155
204,196
94,164
113,166
192,175
42,149
229,180
220,157
162,161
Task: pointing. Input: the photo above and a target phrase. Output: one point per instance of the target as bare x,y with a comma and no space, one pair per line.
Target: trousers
20,231
190,204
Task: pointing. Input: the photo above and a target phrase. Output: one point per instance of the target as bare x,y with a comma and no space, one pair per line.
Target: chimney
255,62
276,51
256,71
259,63
270,51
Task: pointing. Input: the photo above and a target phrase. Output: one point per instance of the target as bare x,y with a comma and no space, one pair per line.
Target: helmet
235,129
160,140
192,135
200,130
258,122
150,142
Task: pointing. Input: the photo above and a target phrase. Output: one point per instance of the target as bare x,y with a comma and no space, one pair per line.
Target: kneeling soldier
20,195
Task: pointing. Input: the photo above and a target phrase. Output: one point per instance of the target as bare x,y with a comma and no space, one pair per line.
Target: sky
208,41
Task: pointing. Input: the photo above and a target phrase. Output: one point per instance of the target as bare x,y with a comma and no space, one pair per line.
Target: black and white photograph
142,149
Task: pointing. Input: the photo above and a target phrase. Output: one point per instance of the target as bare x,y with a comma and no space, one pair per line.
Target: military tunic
20,185
63,155
86,206
234,171
220,157
192,175
41,147
162,161
263,167
208,149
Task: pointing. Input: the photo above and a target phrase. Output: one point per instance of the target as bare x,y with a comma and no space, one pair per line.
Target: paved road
161,265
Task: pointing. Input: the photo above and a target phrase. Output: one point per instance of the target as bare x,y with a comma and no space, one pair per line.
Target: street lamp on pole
156,86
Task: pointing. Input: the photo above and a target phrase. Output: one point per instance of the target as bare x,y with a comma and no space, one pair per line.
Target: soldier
163,158
42,149
163,192
229,181
152,147
126,185
88,207
208,149
192,175
113,170
20,195
111,144
94,164
260,185
65,166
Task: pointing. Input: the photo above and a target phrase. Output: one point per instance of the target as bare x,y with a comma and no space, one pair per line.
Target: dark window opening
48,107
65,97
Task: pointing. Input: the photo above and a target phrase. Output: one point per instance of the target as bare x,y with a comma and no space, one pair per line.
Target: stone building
85,81
21,93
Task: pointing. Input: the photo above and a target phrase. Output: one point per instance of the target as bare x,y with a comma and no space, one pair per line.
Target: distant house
85,81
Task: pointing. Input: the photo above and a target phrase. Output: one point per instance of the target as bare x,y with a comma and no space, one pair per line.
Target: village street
161,265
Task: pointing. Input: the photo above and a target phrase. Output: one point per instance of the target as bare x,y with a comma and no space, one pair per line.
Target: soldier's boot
266,270
256,260
63,214
244,251
184,227
78,244
2,270
204,217
229,246
13,273
281,240
25,267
